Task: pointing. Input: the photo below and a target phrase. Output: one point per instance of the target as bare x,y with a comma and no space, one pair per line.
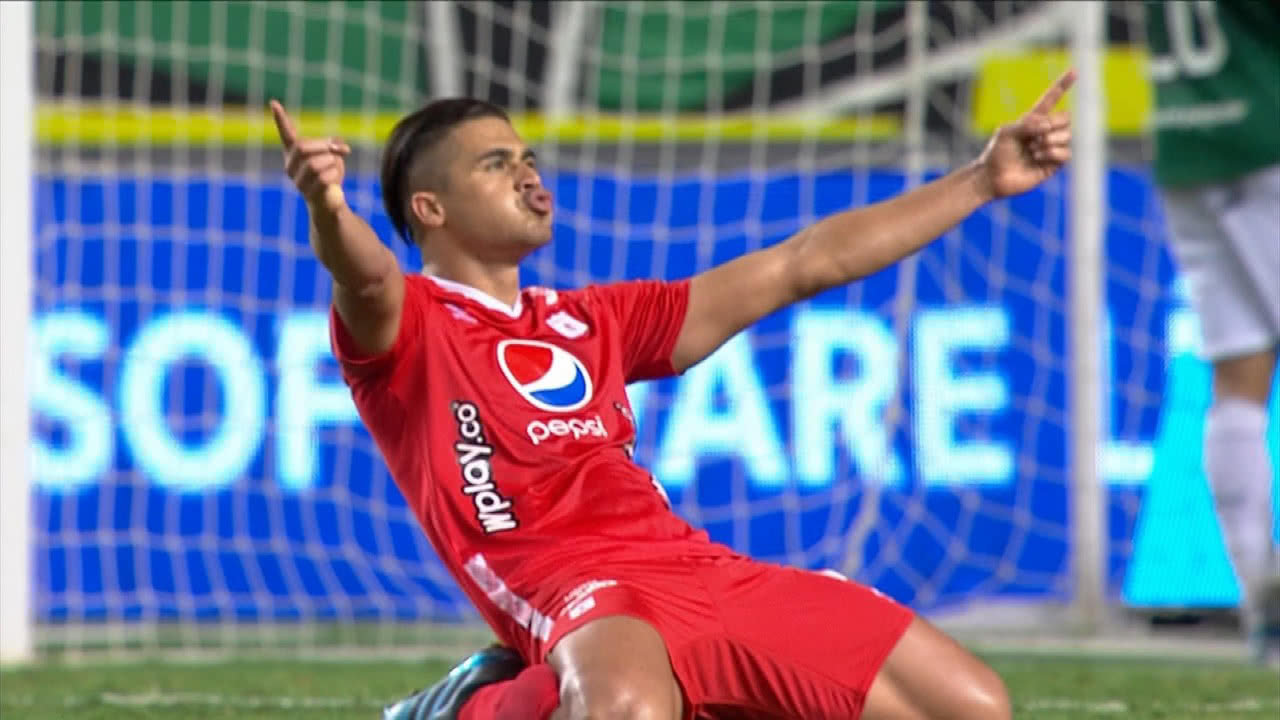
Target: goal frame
17,210
1083,22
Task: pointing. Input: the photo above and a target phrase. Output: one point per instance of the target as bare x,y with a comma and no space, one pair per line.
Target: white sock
1240,474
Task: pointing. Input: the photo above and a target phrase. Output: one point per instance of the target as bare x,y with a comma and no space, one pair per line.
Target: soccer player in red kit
502,415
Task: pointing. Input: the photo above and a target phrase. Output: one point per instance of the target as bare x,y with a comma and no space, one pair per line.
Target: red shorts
748,639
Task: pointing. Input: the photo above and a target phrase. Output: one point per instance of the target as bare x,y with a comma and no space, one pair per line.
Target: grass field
1052,688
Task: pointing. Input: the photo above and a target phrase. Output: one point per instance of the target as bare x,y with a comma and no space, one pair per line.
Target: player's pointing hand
1026,153
315,165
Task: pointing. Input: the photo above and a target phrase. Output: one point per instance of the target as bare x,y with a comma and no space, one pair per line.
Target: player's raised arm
368,287
859,242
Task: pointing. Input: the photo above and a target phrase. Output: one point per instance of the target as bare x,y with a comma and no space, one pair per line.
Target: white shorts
1226,239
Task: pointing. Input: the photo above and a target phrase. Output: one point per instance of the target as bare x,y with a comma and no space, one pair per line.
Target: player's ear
427,209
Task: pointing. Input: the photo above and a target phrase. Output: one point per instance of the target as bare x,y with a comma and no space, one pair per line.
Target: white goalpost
939,431
17,87
1088,223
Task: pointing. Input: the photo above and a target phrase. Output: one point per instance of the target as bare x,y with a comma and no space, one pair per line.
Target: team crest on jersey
549,377
567,325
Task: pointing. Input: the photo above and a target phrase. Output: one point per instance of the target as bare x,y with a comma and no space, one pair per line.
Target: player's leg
1223,238
615,668
492,684
789,643
929,675
1240,470
1236,456
1237,462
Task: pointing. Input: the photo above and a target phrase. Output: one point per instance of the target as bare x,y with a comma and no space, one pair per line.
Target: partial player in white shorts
1226,239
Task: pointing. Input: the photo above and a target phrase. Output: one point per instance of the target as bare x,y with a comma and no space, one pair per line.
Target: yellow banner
74,124
1007,84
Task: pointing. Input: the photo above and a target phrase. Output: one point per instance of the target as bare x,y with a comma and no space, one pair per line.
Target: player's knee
622,708
620,700
1247,378
988,698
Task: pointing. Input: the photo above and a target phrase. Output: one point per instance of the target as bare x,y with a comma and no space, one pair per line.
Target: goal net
201,477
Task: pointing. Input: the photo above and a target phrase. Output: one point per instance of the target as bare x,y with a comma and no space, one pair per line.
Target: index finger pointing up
1055,92
288,134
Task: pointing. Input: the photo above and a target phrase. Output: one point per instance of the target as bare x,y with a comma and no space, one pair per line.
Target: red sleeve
648,315
359,365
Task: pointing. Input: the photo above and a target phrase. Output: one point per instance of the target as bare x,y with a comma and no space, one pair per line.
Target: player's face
494,194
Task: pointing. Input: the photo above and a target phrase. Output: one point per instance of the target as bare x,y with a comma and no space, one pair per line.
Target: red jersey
509,432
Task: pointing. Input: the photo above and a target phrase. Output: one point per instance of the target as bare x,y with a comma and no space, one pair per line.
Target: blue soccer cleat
444,700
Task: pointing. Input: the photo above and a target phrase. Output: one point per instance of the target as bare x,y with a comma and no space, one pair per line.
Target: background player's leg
615,668
1242,342
928,675
1245,377
1240,472
1237,462
1223,239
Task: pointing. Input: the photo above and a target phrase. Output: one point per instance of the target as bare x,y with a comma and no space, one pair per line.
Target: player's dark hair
416,134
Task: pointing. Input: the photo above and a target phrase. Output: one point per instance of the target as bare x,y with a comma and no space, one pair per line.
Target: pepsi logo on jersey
577,427
548,377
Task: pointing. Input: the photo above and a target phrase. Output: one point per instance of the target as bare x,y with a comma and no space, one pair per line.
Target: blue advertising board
197,455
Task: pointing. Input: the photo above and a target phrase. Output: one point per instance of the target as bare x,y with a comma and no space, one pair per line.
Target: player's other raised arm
368,287
859,242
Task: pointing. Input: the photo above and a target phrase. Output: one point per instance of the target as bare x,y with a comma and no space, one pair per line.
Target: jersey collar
485,299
